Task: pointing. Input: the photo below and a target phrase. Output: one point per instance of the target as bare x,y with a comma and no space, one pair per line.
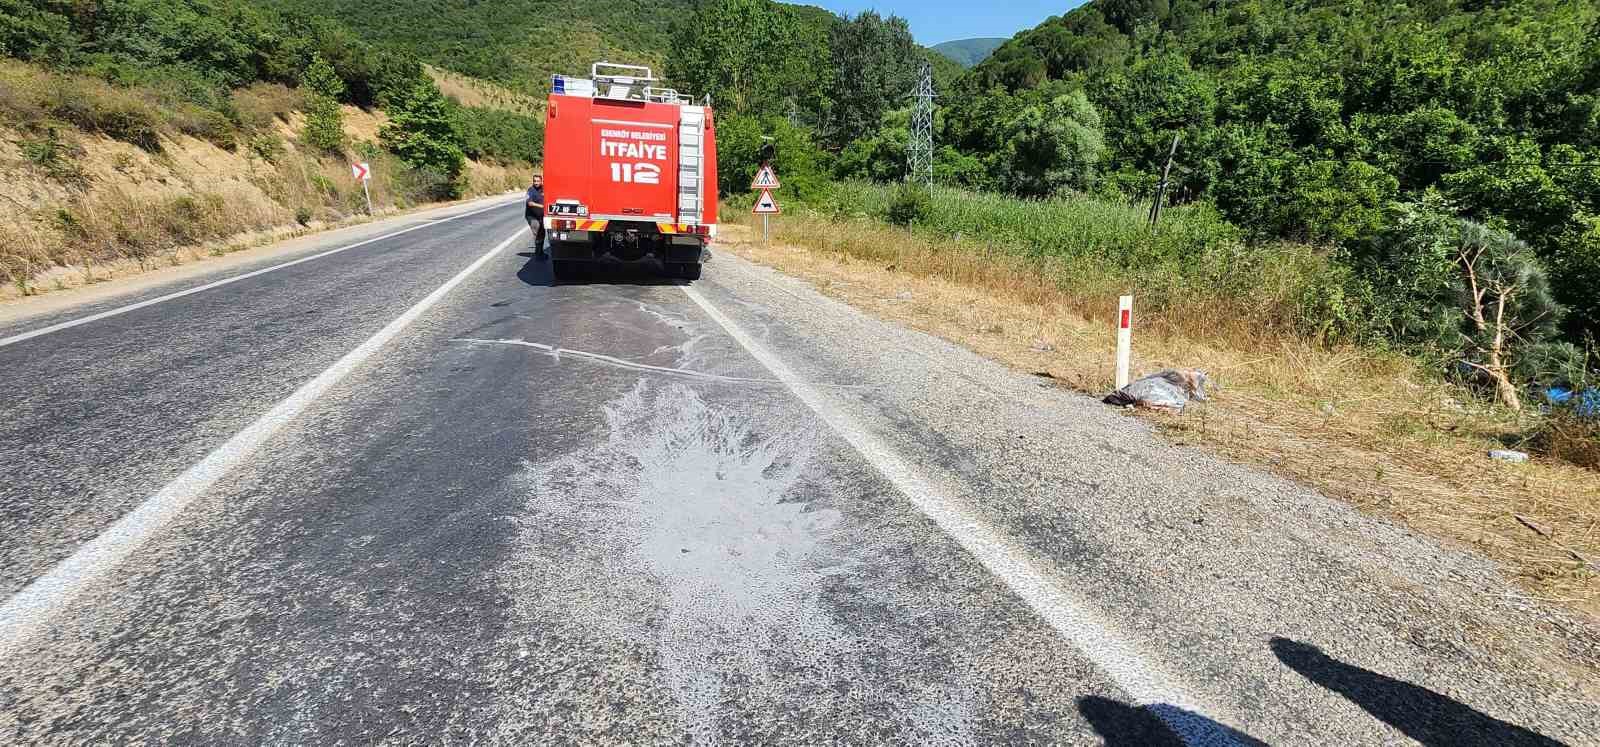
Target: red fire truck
630,170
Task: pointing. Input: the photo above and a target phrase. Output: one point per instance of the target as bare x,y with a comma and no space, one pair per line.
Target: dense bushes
743,143
324,128
424,132
34,99
1306,120
911,205
501,135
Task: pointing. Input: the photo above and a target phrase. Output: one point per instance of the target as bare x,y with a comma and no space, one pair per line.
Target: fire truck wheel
685,270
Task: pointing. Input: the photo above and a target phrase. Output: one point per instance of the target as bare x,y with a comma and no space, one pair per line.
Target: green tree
881,156
34,30
1052,145
424,132
1472,291
501,135
742,141
324,121
877,63
725,50
1302,119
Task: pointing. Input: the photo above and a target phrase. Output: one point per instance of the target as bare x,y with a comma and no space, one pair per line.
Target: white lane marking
30,609
1074,619
225,281
623,363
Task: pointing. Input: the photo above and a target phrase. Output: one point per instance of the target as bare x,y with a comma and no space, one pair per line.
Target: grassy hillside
969,52
95,181
140,131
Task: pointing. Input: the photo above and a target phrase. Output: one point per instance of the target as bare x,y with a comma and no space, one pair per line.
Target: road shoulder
1198,548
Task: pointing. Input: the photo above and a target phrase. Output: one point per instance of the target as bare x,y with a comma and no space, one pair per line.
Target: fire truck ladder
691,167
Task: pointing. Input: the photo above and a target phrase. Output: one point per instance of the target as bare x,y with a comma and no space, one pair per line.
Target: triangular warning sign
765,205
766,178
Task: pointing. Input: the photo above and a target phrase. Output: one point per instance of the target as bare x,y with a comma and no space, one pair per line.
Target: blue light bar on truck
559,85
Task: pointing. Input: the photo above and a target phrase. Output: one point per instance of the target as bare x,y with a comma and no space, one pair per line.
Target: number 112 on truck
630,171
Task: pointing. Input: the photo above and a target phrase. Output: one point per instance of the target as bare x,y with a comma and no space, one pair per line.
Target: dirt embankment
79,208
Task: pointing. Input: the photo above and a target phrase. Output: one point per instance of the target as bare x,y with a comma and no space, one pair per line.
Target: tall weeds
1191,272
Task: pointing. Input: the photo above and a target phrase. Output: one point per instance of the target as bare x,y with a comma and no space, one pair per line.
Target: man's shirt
535,195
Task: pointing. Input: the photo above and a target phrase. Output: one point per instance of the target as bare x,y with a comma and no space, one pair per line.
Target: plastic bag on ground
1168,390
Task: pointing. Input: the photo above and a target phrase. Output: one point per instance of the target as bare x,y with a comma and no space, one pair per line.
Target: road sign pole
363,173
766,206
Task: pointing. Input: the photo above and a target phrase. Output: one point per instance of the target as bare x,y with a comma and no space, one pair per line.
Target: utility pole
919,150
1161,188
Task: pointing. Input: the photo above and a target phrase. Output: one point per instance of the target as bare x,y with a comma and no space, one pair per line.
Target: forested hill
968,52
1306,119
511,41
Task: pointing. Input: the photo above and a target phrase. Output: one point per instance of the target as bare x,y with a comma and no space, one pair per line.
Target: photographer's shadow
1419,713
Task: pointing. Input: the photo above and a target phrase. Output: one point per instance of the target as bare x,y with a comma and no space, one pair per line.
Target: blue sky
934,21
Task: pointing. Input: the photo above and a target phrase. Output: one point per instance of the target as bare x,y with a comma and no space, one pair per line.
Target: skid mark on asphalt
559,353
687,522
694,332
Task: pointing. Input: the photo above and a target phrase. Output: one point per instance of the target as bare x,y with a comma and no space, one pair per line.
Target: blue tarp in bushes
1585,404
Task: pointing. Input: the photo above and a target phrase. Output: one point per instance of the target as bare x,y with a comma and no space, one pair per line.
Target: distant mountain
968,52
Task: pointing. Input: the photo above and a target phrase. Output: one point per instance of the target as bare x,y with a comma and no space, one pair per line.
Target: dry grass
1372,429
133,210
259,105
468,91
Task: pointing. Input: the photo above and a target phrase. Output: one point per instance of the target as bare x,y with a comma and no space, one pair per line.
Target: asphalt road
416,491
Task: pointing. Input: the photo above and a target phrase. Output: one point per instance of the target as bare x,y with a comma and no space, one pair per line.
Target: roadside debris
1507,455
1168,390
1545,533
1584,404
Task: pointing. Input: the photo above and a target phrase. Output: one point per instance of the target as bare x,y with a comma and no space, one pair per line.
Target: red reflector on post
1127,319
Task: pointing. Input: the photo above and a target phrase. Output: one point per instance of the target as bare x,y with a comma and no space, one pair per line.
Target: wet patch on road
700,556
690,506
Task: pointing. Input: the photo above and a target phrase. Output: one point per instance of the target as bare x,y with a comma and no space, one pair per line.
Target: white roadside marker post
1124,338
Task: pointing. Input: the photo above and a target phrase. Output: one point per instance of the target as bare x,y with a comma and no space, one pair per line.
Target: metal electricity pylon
919,150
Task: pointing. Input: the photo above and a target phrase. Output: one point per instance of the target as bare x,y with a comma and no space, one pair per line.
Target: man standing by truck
534,213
